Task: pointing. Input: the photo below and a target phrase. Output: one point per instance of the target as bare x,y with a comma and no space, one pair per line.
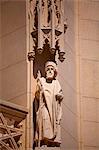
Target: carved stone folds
11,128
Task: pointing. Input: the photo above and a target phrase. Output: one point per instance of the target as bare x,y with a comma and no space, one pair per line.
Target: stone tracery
48,23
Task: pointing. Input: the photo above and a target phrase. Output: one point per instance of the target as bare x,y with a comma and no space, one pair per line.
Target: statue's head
50,70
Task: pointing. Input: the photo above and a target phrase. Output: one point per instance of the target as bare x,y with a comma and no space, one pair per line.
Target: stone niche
12,124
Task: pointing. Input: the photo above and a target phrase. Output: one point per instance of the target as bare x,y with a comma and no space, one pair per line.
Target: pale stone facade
78,74
88,56
12,68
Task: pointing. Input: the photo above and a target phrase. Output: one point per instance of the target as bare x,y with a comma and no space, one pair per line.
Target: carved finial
19,143
31,55
20,125
61,56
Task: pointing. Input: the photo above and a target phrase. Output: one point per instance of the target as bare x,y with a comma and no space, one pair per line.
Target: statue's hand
59,97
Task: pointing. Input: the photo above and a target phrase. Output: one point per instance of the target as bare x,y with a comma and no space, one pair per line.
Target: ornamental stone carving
48,24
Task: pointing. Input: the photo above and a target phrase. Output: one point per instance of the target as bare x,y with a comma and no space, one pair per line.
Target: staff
39,113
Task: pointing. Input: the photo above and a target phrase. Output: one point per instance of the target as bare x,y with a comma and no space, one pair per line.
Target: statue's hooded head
50,70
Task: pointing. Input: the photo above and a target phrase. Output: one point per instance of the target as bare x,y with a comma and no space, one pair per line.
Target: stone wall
13,52
88,56
67,77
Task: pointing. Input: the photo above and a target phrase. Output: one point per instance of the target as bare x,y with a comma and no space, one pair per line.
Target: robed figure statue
48,108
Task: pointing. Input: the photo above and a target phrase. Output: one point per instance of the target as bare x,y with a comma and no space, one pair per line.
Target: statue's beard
50,77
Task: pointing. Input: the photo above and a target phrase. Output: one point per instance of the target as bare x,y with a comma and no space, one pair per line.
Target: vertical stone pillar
30,78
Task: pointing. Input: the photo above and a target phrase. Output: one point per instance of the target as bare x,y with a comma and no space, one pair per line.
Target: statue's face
50,72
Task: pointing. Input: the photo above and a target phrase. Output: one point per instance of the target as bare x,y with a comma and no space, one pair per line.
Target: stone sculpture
48,108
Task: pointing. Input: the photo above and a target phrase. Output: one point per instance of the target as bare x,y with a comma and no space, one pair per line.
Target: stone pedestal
47,148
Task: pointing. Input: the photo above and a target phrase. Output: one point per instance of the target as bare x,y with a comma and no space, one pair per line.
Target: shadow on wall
41,59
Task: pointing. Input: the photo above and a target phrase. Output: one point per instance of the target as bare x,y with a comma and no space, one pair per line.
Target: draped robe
49,111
